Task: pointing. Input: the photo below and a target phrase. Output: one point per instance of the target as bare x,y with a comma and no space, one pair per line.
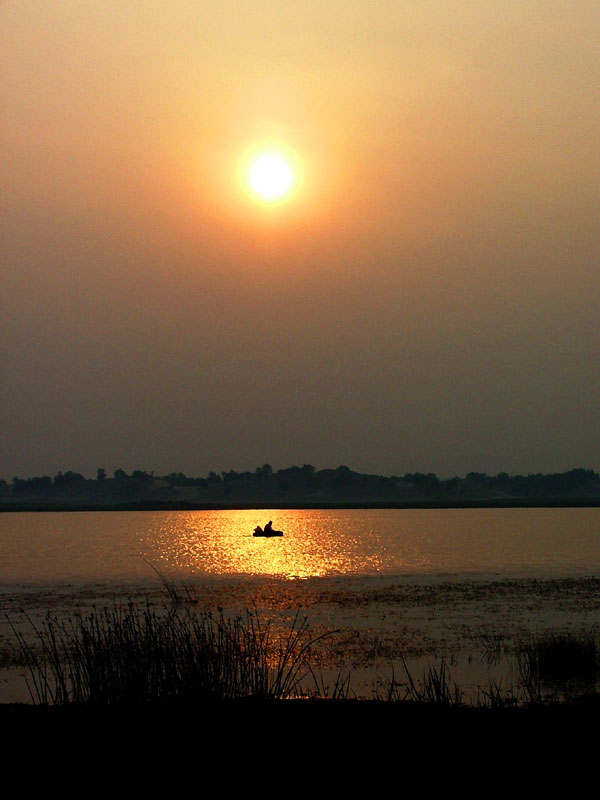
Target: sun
271,176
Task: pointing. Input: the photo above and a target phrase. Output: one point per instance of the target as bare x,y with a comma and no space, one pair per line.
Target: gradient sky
427,301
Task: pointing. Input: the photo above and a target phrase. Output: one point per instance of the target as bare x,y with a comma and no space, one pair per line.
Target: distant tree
177,479
288,471
264,471
101,474
576,477
342,475
452,485
416,478
478,477
230,476
40,485
19,486
69,482
120,475
139,476
422,481
432,480
68,478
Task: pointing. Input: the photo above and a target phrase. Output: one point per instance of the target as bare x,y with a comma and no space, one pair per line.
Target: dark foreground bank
542,718
565,728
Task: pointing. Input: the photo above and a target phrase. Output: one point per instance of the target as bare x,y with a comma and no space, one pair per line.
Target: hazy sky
427,300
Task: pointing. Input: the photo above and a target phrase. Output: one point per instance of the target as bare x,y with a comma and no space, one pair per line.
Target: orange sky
425,301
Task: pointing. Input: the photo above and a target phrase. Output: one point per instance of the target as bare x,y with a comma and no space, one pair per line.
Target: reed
497,697
557,665
434,688
140,655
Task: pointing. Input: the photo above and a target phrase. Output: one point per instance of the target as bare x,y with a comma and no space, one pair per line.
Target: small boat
258,531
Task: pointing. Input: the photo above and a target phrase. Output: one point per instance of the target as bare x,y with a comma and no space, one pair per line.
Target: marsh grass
140,655
145,653
493,646
179,591
434,688
340,690
549,669
494,695
557,666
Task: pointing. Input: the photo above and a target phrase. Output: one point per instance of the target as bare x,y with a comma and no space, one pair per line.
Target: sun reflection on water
222,543
122,545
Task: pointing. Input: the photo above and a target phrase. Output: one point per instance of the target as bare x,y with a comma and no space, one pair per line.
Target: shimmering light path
106,546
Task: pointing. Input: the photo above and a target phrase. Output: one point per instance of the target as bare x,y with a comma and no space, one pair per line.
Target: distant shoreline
302,506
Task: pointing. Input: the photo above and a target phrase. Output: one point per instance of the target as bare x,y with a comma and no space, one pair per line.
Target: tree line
297,484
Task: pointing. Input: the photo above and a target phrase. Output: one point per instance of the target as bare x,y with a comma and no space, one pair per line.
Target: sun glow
271,175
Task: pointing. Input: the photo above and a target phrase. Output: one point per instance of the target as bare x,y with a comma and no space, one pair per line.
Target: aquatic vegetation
558,666
133,655
160,647
492,646
434,688
494,695
550,668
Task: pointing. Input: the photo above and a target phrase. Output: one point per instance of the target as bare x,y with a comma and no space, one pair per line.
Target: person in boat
269,527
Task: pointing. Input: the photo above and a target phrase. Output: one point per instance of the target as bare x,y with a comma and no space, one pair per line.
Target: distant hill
296,486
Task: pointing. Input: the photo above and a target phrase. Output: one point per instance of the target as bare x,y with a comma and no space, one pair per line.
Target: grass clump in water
140,655
434,688
558,666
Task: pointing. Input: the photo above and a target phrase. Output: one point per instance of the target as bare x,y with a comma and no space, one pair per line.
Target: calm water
106,546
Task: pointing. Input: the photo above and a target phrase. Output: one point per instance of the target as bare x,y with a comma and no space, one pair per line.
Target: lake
388,587
116,546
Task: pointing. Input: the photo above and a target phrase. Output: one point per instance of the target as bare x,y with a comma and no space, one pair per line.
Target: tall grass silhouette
558,665
140,655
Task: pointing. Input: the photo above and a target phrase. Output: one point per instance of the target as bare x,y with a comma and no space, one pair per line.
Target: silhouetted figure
268,531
